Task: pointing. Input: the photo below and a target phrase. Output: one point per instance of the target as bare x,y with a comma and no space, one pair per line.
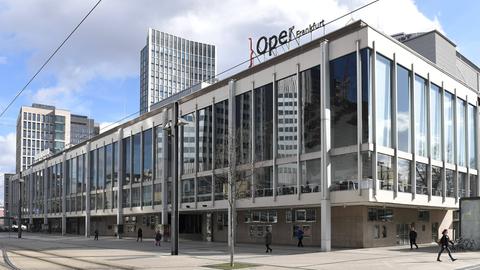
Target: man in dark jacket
268,240
140,234
299,234
444,243
413,238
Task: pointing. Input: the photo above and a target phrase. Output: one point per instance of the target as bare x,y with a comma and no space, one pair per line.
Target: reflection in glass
126,198
263,122
108,165
344,172
127,160
366,96
135,196
159,153
449,127
343,100
472,136
93,170
473,186
310,89
404,179
81,175
147,156
243,127
436,121
101,168
204,185
437,189
157,194
221,134
403,109
461,134
462,185
421,116
385,172
114,164
264,181
188,190
421,178
205,139
287,102
449,177
311,176
147,195
188,144
287,179
136,158
383,78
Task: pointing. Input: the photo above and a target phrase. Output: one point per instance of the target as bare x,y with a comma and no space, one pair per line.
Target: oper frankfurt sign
268,44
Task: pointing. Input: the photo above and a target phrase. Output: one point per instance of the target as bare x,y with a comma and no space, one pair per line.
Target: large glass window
437,189
81,175
126,198
287,103
403,109
147,156
204,185
344,172
473,186
221,134
461,133
127,160
449,177
449,127
101,168
404,176
421,116
383,78
311,176
436,121
462,185
114,163
147,195
287,179
135,196
385,172
93,169
366,96
137,152
159,153
343,100
310,88
472,136
188,190
189,144
421,178
205,118
264,181
244,184
157,194
263,122
108,165
243,128
73,179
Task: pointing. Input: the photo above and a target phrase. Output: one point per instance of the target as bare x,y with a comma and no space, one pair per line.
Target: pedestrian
413,238
96,234
140,235
158,237
444,243
268,240
299,233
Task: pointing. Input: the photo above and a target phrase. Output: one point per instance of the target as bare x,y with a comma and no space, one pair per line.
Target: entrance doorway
403,231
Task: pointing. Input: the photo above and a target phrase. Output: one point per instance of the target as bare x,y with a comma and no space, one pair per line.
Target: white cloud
107,45
7,158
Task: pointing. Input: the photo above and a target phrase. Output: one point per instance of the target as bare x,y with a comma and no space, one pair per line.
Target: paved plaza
40,251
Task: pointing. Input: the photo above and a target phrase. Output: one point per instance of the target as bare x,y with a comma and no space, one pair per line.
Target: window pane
221,134
384,101
93,169
263,122
437,189
421,116
147,195
449,128
147,156
344,172
473,186
264,181
126,160
126,198
462,185
287,102
157,195
204,185
108,165
310,89
135,196
385,172
287,179
159,152
421,175
115,164
436,121
343,100
136,158
461,127
243,128
205,139
188,190
189,144
366,96
472,136
450,183
403,109
311,176
404,179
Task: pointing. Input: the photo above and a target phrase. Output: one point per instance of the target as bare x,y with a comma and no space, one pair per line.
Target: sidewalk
194,255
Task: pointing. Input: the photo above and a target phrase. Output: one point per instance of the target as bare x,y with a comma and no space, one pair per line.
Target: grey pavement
42,251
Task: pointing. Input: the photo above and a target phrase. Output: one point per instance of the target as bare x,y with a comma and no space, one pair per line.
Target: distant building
170,64
44,129
6,198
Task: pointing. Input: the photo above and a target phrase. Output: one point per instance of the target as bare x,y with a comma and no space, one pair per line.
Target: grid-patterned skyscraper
170,64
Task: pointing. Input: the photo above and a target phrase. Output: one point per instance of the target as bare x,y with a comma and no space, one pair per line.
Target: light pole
169,128
20,181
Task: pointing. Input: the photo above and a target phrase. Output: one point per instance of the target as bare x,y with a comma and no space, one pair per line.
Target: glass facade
404,175
383,80
147,156
437,187
421,178
287,120
403,109
461,133
385,172
472,135
243,105
137,157
188,149
436,122
449,130
309,85
205,139
263,122
449,177
421,103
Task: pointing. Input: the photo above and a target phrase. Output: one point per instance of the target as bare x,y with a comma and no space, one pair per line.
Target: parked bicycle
463,244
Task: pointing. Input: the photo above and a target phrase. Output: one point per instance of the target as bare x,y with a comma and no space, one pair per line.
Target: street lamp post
20,181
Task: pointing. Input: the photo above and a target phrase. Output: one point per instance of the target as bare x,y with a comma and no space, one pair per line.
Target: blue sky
96,73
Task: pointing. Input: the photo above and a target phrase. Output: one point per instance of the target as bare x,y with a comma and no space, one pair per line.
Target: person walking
268,240
299,233
158,237
96,234
140,235
444,243
413,238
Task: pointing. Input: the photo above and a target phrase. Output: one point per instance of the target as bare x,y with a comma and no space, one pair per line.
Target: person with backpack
444,243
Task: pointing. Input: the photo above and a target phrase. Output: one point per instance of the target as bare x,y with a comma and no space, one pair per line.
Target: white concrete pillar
64,194
87,191
119,164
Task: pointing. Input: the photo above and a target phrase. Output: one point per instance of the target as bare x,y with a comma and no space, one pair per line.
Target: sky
96,73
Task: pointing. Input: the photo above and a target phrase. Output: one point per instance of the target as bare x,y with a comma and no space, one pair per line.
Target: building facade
6,197
170,64
353,137
43,129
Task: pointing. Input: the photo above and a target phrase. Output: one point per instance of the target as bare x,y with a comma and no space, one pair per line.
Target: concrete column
442,144
394,126
413,168
374,122
45,195
119,164
359,118
87,191
325,215
299,131
275,137
64,194
455,145
429,141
